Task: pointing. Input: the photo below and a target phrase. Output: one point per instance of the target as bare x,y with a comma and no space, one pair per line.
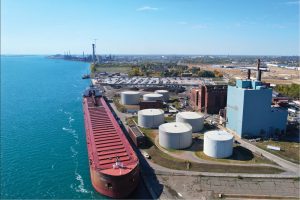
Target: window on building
108,185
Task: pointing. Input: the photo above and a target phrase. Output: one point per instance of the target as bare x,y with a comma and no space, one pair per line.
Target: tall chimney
249,74
94,57
258,74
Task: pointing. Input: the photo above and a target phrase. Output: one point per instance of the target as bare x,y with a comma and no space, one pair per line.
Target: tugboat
86,76
114,166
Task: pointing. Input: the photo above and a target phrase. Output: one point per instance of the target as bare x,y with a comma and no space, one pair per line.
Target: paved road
122,116
280,161
203,187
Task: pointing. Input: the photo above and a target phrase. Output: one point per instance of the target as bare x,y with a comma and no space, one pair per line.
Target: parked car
146,155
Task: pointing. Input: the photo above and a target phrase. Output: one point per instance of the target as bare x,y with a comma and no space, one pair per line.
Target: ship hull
115,186
114,182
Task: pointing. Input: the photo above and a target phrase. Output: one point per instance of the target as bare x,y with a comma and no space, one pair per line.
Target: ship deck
106,139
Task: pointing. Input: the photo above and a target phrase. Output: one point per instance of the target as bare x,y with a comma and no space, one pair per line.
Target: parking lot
150,81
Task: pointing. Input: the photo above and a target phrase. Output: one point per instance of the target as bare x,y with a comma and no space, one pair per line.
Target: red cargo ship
114,166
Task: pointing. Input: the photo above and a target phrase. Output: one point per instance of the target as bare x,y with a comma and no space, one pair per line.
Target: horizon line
150,54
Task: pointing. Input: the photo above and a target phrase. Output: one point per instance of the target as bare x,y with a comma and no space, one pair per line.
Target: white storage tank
152,97
150,118
218,144
175,135
130,97
165,94
196,120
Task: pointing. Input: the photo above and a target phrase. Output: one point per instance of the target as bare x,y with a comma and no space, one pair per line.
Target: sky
201,27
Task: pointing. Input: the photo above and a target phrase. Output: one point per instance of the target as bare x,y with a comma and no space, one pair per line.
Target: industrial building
208,98
194,119
151,104
249,112
175,135
218,144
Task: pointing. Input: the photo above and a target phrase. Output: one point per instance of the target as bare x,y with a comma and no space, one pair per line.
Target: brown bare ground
276,75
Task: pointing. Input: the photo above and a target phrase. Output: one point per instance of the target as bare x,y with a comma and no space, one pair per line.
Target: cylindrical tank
152,97
150,118
130,97
175,135
196,120
218,144
165,94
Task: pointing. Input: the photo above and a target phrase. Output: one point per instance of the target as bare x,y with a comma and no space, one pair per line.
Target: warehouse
151,104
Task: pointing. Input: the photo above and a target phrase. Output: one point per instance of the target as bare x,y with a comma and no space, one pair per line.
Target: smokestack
93,53
249,74
258,74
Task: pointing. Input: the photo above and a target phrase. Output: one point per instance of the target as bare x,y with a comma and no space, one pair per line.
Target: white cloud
147,8
292,3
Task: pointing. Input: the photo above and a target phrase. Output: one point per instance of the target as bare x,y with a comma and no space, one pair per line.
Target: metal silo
150,118
152,97
196,120
130,97
218,144
175,135
165,94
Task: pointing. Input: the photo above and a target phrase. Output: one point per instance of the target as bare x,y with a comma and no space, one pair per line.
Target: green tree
291,90
195,70
135,71
204,73
93,68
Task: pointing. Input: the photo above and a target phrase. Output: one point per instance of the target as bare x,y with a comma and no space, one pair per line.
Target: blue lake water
43,148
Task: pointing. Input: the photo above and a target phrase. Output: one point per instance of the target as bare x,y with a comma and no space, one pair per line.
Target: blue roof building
249,112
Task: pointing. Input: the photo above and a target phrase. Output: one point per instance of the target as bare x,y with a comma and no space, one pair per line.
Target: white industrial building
150,118
165,94
175,135
218,144
130,97
196,120
153,97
